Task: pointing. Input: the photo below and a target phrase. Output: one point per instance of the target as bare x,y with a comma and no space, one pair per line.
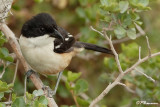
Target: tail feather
93,47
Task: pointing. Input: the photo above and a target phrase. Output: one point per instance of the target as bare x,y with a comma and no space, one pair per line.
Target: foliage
91,76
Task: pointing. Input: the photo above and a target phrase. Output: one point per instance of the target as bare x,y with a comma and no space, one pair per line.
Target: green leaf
139,22
104,2
19,102
106,61
10,85
1,95
81,12
4,51
2,104
38,1
43,100
83,2
81,86
120,32
140,4
131,33
29,96
62,91
127,21
110,5
82,102
123,5
2,39
3,86
9,58
130,50
13,97
143,2
68,85
113,7
38,92
73,76
4,54
35,103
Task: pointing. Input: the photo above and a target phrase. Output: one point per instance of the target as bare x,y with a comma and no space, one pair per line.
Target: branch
127,88
141,61
113,50
15,72
139,53
148,45
150,78
111,45
4,69
121,74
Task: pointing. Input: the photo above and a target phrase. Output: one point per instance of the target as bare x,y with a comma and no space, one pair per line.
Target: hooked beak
56,34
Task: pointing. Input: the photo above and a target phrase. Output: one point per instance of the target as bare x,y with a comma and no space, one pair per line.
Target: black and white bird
48,48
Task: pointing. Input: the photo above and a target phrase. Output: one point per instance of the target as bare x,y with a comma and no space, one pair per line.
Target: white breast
39,54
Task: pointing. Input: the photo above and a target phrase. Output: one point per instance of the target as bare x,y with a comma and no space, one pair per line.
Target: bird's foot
29,73
49,91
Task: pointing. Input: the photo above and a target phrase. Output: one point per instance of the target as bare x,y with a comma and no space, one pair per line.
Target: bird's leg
58,80
50,91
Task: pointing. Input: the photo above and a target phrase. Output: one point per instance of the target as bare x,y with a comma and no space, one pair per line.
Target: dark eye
42,29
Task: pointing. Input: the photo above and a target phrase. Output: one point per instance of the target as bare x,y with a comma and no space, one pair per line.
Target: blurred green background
97,70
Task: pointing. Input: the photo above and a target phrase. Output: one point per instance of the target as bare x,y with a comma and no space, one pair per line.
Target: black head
40,25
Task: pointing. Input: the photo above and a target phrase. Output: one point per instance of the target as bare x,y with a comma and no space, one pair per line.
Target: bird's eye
42,29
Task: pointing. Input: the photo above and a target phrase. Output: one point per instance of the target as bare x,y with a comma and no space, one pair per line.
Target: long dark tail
93,47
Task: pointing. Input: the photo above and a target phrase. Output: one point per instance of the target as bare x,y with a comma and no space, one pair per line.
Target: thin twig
150,78
75,99
113,50
25,88
14,78
139,53
127,88
4,69
8,102
96,31
141,61
140,29
149,48
16,69
111,45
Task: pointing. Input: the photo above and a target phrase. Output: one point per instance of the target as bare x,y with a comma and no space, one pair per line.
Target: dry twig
4,69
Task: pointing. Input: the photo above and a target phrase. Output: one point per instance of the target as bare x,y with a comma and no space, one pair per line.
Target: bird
48,48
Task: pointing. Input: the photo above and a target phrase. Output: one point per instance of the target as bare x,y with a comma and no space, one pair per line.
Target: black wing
62,47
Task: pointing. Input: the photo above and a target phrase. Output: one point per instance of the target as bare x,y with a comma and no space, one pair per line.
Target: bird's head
40,25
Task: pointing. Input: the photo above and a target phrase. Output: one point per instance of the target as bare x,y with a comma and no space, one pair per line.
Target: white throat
36,41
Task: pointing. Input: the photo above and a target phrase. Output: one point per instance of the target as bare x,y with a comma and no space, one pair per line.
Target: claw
51,92
29,73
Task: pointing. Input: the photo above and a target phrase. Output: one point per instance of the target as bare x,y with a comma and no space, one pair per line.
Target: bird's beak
56,34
